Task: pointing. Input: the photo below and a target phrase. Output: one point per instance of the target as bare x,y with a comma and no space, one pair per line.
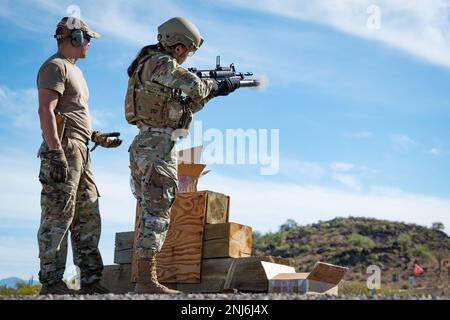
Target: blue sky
362,113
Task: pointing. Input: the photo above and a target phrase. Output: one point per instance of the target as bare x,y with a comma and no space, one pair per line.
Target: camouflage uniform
73,206
153,161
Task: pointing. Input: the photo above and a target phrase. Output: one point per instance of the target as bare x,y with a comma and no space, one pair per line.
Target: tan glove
59,169
106,140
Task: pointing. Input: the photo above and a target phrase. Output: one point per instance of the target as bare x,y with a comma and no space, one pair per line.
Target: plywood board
181,254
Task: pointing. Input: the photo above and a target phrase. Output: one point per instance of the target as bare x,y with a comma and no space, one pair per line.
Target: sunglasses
88,38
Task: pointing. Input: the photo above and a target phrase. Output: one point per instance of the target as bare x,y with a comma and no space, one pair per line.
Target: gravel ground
239,296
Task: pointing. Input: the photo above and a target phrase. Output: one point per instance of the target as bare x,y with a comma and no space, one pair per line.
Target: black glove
106,140
59,169
225,87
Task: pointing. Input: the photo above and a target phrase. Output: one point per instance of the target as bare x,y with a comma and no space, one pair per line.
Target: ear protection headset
76,37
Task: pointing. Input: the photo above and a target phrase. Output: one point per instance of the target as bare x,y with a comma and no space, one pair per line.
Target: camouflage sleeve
197,106
169,73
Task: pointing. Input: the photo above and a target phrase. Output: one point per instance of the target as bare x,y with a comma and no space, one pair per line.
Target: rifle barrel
249,83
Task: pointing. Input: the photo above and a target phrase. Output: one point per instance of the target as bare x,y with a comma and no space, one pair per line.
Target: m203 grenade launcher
221,73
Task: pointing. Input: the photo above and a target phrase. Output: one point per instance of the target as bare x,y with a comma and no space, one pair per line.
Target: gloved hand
225,87
59,169
106,140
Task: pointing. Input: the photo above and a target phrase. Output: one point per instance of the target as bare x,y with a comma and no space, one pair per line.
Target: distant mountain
13,281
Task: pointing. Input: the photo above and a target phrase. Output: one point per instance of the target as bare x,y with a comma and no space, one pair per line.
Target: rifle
221,73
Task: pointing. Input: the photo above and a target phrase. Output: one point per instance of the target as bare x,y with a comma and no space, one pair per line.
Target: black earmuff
77,38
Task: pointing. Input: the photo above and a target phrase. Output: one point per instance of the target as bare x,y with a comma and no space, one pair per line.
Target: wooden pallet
217,275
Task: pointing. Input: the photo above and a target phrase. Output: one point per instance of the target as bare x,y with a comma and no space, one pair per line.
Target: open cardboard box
323,279
189,169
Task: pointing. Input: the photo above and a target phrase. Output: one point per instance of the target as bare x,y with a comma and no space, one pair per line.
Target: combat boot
93,288
57,288
148,284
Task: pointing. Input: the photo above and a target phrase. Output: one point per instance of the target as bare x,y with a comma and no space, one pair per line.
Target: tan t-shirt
63,76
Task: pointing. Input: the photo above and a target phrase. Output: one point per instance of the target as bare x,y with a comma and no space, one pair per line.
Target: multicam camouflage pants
154,183
73,206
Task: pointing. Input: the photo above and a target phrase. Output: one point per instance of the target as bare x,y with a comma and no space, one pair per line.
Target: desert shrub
361,241
422,251
22,289
404,240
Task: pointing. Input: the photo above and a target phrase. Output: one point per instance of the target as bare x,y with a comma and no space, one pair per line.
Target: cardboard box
188,175
323,279
189,169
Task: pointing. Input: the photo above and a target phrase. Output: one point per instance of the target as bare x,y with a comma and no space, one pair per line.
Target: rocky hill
360,242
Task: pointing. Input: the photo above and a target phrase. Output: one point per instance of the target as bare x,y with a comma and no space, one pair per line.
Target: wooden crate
227,240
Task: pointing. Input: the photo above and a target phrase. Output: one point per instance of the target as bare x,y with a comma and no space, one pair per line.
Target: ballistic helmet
179,30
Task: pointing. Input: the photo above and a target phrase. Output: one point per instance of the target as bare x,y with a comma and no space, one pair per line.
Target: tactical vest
153,104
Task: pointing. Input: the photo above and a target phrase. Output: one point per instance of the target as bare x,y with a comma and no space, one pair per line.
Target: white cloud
348,180
19,108
420,28
403,141
303,168
342,166
101,118
350,175
435,152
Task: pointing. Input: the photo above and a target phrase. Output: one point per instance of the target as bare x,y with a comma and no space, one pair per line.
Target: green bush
21,290
422,251
404,240
304,248
361,241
